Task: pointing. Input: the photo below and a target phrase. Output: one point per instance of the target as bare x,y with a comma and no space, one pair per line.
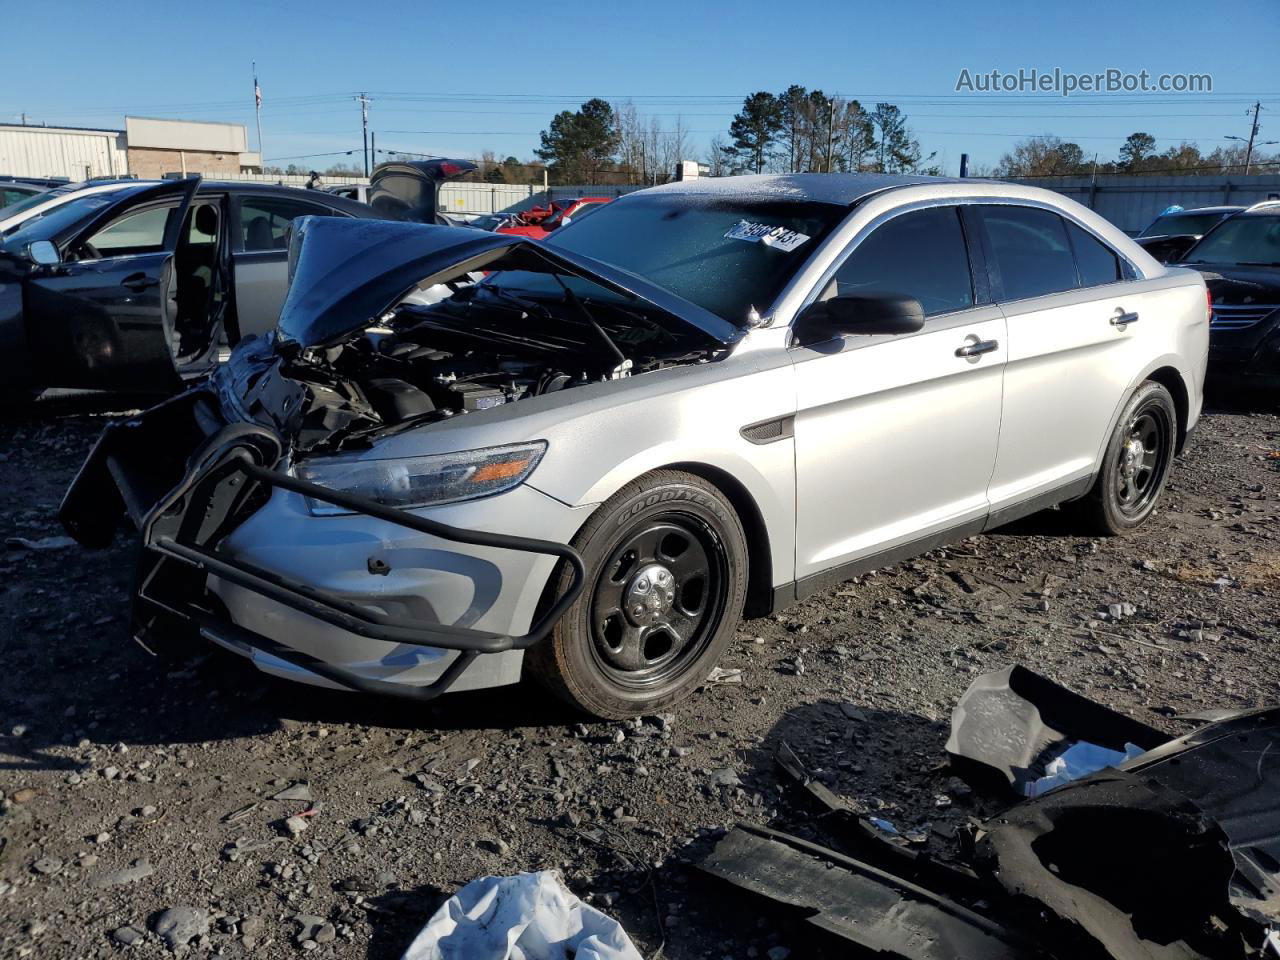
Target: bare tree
716,167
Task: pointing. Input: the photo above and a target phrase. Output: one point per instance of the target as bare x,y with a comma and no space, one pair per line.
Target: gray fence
1129,202
1133,202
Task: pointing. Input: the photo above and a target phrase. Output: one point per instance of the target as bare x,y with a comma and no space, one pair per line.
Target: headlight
420,481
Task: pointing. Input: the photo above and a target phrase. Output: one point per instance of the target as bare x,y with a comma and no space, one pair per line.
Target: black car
138,288
1170,235
1240,260
16,189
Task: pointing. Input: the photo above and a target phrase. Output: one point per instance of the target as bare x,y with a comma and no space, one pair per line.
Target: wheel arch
1168,372
759,550
1169,378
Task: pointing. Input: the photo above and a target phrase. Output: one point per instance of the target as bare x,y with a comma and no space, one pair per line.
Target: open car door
104,315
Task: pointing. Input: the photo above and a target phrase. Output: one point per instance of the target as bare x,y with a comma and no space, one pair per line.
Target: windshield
1182,223
727,256
1240,240
51,223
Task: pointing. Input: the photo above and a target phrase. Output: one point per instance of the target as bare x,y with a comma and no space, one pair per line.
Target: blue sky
456,79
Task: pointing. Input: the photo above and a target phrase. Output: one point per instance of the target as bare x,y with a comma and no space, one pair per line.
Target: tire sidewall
1148,395
597,542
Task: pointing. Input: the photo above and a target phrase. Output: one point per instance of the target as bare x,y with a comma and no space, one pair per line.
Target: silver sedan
465,457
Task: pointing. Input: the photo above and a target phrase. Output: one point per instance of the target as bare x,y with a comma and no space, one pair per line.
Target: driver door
895,436
103,318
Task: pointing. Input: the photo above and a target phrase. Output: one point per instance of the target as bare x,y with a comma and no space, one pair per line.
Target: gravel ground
134,786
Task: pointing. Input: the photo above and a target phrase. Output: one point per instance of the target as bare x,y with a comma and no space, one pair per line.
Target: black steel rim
1141,460
658,600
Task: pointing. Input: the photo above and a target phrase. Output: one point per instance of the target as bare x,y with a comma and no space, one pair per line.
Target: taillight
1208,305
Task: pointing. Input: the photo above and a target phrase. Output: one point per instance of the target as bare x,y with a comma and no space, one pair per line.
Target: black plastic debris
1011,725
851,901
1174,854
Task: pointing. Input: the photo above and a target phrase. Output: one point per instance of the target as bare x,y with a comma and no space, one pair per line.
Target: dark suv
1240,260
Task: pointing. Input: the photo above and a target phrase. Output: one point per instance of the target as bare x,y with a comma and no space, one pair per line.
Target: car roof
1268,208
835,188
1219,209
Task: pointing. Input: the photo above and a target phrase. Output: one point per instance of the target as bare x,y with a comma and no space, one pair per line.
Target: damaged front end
388,328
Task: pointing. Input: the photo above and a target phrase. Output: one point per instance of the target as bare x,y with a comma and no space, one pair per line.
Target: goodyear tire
666,562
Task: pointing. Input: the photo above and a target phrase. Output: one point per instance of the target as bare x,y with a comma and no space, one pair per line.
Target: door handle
1122,319
977,348
139,282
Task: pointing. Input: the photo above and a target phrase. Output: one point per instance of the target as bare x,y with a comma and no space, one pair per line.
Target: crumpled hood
345,274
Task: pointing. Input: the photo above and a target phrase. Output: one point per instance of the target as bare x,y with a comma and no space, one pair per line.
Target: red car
540,221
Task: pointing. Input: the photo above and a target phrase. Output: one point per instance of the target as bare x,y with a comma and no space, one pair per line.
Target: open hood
345,274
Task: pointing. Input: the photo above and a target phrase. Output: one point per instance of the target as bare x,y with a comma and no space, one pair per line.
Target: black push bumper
222,482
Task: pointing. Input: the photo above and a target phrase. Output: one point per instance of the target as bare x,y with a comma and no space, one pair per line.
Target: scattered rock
295,825
127,936
178,926
138,871
47,865
299,791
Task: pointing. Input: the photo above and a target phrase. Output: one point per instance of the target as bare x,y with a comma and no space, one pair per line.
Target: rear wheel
1136,464
666,561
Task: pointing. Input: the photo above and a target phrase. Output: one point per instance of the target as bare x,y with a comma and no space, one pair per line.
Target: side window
1097,263
921,254
264,221
1031,251
137,232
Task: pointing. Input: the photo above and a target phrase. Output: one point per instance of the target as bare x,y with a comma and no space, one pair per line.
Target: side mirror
863,313
43,253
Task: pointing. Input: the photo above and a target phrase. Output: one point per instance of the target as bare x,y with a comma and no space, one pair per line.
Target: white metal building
146,148
74,152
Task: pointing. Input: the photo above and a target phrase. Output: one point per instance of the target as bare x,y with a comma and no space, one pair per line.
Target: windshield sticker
780,238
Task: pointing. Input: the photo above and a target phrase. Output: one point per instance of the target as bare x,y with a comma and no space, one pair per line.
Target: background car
136,284
1240,261
15,189
1171,234
410,190
538,222
587,466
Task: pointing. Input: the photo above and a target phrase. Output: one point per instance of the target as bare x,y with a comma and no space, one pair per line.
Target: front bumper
262,601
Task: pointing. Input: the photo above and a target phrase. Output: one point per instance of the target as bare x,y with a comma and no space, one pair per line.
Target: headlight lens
420,481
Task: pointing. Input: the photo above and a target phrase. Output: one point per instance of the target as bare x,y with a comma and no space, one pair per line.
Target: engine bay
477,349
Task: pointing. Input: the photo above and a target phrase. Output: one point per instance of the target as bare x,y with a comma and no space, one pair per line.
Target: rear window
1097,263
1031,251
1174,224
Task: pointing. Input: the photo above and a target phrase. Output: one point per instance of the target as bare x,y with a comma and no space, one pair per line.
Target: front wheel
666,561
1136,464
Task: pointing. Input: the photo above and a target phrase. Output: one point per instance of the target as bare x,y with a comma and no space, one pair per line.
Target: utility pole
364,102
964,165
257,110
831,134
1253,135
373,146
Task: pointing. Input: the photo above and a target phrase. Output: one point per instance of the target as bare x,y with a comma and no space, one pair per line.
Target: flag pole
257,109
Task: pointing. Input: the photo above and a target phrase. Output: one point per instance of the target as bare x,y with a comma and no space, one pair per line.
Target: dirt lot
133,785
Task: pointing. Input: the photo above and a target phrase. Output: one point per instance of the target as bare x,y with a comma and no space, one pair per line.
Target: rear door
895,436
103,318
1075,345
259,257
